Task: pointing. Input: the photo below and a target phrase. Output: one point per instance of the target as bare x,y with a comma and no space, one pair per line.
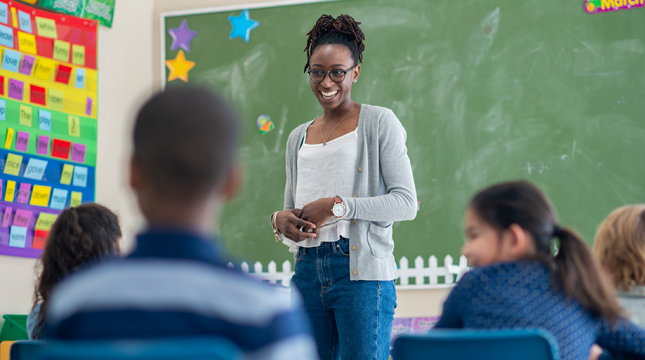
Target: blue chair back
158,349
526,344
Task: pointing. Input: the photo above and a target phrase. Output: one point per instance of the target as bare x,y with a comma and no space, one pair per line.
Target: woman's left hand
317,212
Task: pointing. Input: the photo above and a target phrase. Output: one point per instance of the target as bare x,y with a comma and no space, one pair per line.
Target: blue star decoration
242,26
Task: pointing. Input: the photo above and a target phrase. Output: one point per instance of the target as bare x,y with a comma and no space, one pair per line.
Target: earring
355,81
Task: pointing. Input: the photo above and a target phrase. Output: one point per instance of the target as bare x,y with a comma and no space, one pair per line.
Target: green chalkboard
487,90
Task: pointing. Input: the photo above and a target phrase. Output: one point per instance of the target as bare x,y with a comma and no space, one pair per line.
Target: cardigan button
354,221
356,195
360,169
353,247
355,272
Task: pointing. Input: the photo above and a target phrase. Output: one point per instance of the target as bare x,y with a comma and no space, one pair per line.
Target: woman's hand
595,352
290,225
317,212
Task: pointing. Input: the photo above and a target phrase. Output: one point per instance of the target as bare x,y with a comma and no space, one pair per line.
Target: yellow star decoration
179,67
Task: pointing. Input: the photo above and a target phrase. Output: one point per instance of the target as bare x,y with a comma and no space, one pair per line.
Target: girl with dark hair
79,236
348,179
518,282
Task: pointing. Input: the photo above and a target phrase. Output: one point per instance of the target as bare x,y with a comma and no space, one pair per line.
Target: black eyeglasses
336,75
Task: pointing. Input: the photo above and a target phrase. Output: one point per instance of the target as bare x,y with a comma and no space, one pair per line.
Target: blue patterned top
521,295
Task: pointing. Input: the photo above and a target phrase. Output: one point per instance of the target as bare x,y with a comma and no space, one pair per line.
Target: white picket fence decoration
419,272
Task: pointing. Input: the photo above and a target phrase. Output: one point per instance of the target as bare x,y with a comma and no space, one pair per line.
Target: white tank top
326,171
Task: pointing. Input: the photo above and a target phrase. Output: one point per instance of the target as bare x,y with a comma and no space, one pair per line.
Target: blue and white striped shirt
176,284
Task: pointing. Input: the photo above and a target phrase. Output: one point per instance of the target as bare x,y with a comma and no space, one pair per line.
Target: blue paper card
18,236
3,110
35,169
11,60
4,18
80,78
80,176
6,36
59,198
25,21
45,120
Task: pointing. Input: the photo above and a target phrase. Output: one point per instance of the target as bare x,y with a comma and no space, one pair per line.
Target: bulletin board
48,122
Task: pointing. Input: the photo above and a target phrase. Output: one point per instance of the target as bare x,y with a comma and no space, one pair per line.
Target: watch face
338,210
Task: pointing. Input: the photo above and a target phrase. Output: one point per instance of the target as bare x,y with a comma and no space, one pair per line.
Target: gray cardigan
384,191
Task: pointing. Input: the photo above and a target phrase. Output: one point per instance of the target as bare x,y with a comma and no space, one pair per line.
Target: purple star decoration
181,36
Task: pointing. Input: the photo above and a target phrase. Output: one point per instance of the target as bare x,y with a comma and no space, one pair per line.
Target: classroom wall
129,71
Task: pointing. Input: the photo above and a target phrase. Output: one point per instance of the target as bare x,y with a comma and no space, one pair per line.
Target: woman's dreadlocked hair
342,30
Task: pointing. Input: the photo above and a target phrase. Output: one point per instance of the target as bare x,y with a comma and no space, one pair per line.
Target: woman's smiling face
333,57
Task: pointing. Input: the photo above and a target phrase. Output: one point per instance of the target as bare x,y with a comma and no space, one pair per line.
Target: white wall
129,72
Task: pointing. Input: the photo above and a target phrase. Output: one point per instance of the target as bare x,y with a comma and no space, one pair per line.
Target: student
620,247
176,282
518,283
348,179
79,236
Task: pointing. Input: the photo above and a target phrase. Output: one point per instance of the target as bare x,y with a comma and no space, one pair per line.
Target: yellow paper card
74,125
61,50
11,191
78,55
45,221
26,42
55,99
46,27
66,176
44,69
25,115
77,197
14,17
7,143
12,166
40,195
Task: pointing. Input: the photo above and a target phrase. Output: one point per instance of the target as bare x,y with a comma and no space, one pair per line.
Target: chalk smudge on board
482,39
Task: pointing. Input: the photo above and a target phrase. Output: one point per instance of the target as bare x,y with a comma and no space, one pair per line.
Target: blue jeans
350,319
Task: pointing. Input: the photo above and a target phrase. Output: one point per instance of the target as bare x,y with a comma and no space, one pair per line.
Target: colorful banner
99,10
599,6
48,121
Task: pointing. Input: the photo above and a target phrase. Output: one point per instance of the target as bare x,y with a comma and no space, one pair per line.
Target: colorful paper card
46,27
44,69
24,20
6,35
42,147
59,198
55,99
78,55
74,126
4,18
12,165
27,43
61,149
27,65
14,17
45,120
11,60
66,174
22,141
35,169
77,198
61,50
37,95
23,193
45,221
78,152
16,88
25,115
2,85
88,106
80,176
7,143
63,74
11,191
80,78
22,218
40,195
40,238
3,110
6,219
18,236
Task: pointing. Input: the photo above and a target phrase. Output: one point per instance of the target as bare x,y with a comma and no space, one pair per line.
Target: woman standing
348,179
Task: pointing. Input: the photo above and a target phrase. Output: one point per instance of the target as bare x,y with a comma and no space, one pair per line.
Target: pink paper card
78,153
22,218
88,107
23,193
6,220
16,88
27,65
43,145
22,141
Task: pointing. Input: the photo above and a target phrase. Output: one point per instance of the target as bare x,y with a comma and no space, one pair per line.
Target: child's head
79,235
185,140
514,221
620,245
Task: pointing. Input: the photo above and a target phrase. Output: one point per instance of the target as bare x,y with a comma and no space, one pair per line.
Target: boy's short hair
185,140
620,245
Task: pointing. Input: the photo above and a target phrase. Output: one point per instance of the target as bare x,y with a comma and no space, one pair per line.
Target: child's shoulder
506,273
